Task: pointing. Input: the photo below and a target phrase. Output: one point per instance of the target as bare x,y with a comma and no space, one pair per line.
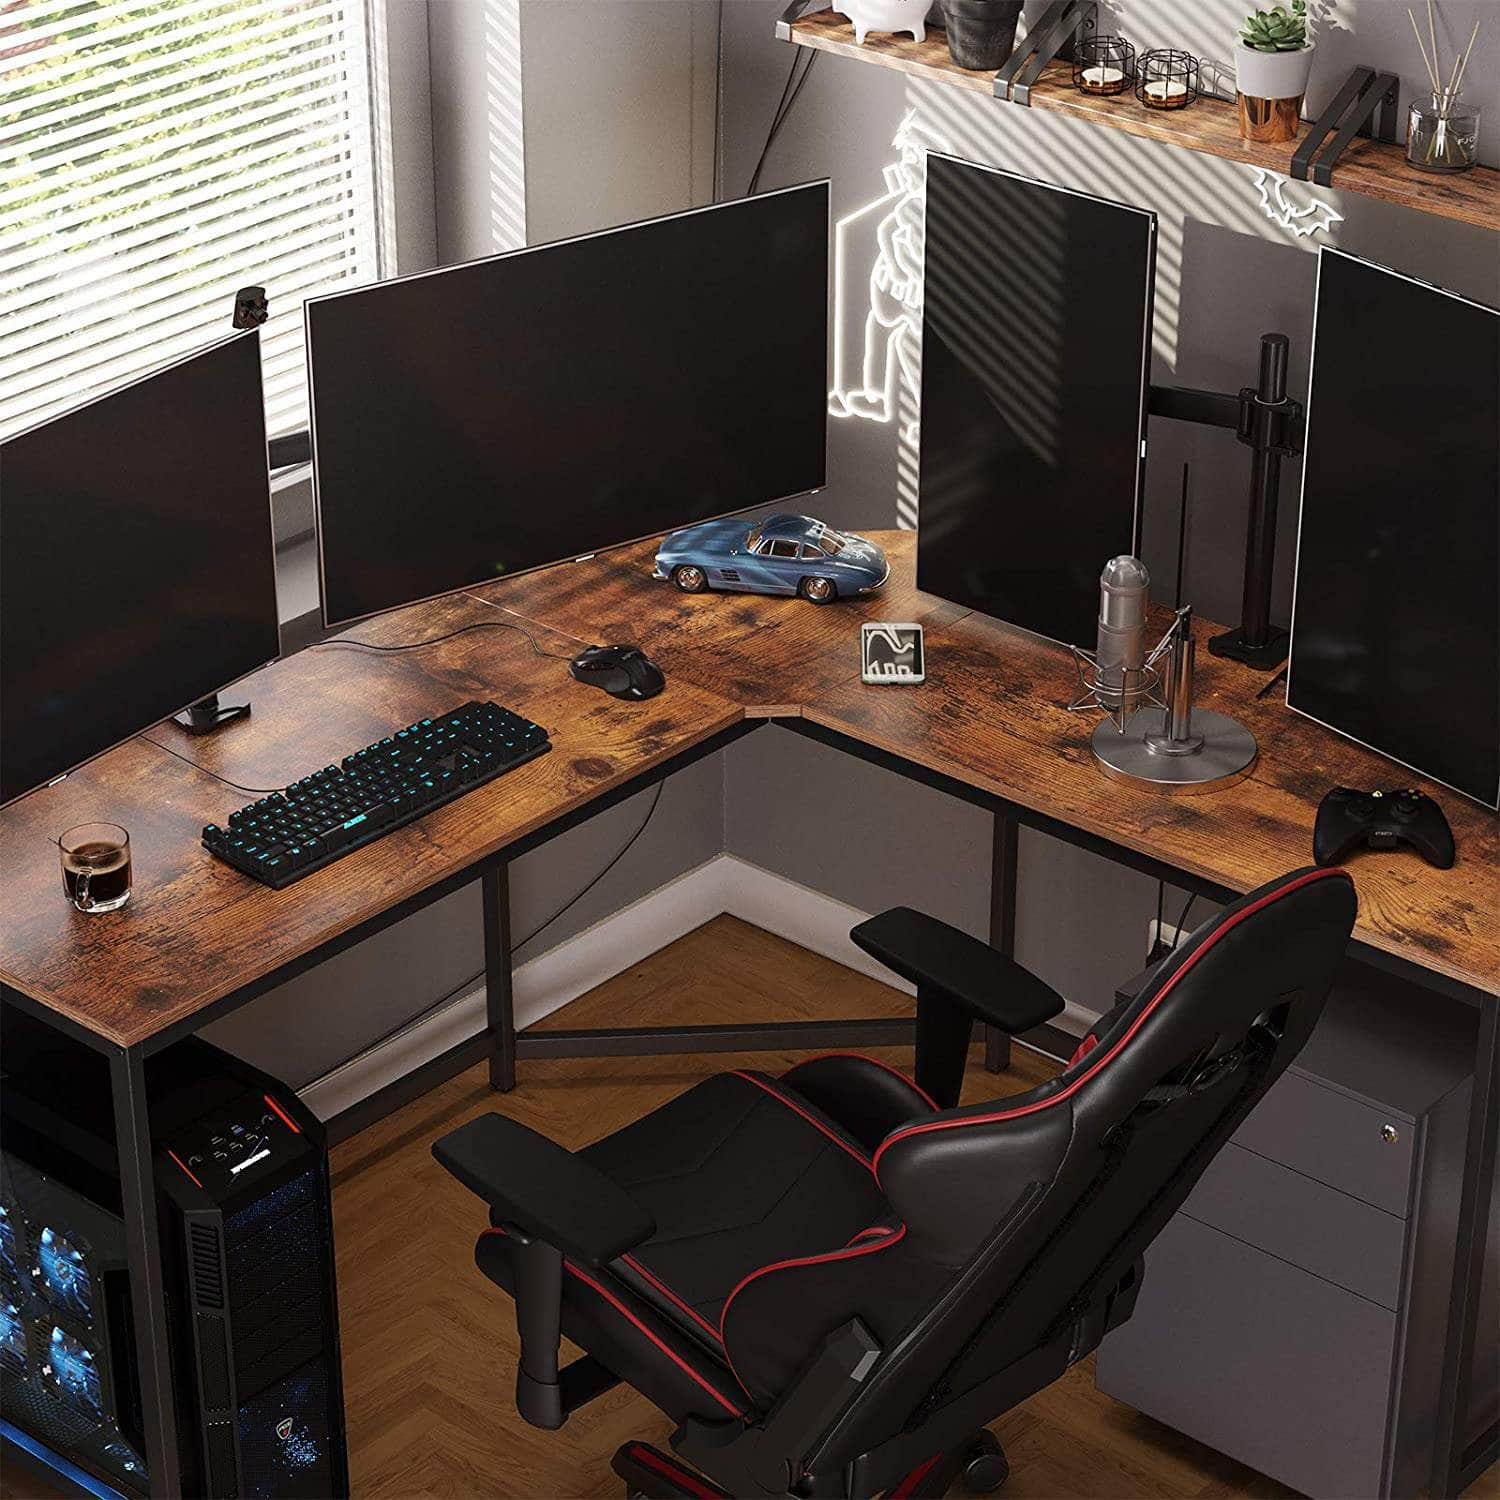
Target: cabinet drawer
1258,1359
1342,1239
1316,1130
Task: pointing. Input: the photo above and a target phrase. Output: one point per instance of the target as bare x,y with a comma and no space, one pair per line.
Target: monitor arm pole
1269,423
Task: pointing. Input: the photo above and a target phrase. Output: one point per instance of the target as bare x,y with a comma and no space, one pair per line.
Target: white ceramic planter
885,15
1272,75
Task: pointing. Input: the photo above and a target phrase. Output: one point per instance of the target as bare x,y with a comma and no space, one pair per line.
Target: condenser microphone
1121,656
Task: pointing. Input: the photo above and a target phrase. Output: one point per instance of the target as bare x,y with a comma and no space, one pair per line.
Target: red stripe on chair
1101,1062
731,1407
644,1456
874,1062
1083,1049
812,1120
874,1231
672,1296
631,1318
847,1253
908,1486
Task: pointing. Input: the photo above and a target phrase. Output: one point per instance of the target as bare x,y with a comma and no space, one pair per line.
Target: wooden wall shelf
1370,167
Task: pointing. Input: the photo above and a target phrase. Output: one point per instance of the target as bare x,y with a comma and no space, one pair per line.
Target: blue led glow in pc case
242,1177
67,1347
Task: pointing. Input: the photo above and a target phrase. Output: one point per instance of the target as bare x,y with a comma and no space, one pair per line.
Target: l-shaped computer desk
989,725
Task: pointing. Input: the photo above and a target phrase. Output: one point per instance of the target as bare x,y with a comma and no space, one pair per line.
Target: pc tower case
242,1175
249,1213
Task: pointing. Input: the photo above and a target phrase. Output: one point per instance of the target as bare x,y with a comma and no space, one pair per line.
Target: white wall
619,110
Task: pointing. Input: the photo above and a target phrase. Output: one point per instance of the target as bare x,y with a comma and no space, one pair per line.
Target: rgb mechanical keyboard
336,810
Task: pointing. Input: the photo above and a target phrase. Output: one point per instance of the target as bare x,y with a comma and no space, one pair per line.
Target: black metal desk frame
1456,1463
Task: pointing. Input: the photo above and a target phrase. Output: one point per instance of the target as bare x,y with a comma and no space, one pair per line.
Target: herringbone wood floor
429,1345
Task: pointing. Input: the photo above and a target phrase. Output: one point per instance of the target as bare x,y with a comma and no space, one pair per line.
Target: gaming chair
832,1280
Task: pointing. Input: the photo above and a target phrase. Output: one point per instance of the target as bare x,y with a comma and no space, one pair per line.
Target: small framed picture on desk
891,653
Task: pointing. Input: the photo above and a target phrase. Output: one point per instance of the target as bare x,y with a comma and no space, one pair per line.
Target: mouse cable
436,639
474,978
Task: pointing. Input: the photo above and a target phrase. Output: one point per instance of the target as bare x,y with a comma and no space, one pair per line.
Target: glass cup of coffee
96,866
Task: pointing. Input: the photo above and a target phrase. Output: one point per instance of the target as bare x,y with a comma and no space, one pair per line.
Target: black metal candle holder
1103,65
1166,79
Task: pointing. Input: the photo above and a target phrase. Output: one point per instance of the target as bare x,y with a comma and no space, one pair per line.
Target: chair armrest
544,1189
940,959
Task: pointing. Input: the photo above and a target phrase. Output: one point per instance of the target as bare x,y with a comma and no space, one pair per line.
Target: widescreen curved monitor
1396,608
485,419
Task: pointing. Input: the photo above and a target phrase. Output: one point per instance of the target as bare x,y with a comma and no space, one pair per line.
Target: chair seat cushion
738,1172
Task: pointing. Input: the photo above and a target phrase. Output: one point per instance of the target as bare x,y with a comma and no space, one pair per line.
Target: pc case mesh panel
276,1255
285,1451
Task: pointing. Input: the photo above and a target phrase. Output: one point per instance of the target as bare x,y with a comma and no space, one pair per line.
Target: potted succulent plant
1272,60
981,33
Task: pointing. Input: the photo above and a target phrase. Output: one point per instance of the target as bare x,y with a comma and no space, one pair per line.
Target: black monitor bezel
1137,517
375,288
259,416
1428,286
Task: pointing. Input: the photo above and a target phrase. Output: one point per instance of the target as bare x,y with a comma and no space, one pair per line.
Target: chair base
650,1474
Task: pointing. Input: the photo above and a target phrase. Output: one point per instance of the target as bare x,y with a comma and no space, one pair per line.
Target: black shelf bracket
1351,112
794,12
1049,40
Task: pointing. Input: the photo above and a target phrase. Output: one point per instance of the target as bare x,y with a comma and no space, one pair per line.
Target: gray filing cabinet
1293,1312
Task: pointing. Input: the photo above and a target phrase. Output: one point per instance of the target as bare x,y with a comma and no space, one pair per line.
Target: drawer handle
1389,1134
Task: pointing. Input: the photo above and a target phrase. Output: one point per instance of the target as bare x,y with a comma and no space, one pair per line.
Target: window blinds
156,156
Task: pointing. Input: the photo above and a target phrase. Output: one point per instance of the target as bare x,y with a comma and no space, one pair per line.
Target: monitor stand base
1233,645
208,714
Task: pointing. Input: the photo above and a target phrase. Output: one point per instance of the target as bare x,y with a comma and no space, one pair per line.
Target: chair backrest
1020,1218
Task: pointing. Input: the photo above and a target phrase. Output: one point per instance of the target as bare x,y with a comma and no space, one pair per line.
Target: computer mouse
622,671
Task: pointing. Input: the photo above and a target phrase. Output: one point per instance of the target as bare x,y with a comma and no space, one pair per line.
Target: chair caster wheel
985,1467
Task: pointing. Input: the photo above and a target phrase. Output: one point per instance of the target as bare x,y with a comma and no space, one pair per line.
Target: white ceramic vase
885,15
1272,75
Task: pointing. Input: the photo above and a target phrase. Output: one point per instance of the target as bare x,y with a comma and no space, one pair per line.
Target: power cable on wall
789,92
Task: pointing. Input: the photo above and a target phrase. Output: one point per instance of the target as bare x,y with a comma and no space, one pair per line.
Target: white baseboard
544,984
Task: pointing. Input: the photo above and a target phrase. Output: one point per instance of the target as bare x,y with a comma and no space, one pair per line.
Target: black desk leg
499,1009
1003,879
1452,1465
147,1284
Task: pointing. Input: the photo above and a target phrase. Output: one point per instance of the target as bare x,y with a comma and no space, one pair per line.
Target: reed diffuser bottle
1442,133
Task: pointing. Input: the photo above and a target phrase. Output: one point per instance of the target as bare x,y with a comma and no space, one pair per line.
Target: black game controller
1349,819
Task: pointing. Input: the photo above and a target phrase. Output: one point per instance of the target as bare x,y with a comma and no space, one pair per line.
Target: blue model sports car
783,554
